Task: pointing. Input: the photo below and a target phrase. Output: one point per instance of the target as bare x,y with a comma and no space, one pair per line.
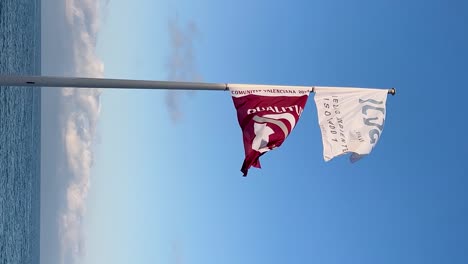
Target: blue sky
165,191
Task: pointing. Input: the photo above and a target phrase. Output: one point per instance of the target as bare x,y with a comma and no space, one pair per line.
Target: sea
20,126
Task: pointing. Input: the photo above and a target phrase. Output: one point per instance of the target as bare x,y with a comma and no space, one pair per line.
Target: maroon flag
266,115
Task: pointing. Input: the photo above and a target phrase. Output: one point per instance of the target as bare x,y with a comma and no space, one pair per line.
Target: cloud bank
80,114
181,64
69,36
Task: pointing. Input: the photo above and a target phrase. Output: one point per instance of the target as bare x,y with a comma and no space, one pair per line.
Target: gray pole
50,81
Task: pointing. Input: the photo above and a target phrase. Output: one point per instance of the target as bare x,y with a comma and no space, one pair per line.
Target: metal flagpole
52,81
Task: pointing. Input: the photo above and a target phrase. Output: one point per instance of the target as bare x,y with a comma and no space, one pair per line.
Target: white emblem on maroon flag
266,115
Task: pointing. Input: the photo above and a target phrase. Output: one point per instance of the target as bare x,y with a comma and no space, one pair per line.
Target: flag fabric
266,115
351,120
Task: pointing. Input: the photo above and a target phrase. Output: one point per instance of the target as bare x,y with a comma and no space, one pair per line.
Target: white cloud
181,64
81,108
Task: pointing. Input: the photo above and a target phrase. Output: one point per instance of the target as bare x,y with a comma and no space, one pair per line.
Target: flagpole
53,81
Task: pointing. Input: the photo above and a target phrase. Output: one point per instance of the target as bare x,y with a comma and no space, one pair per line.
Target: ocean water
20,125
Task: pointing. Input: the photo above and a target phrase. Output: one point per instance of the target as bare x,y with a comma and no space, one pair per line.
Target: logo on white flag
375,119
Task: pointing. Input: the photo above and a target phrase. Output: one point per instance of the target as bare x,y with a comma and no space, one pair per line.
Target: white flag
351,120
